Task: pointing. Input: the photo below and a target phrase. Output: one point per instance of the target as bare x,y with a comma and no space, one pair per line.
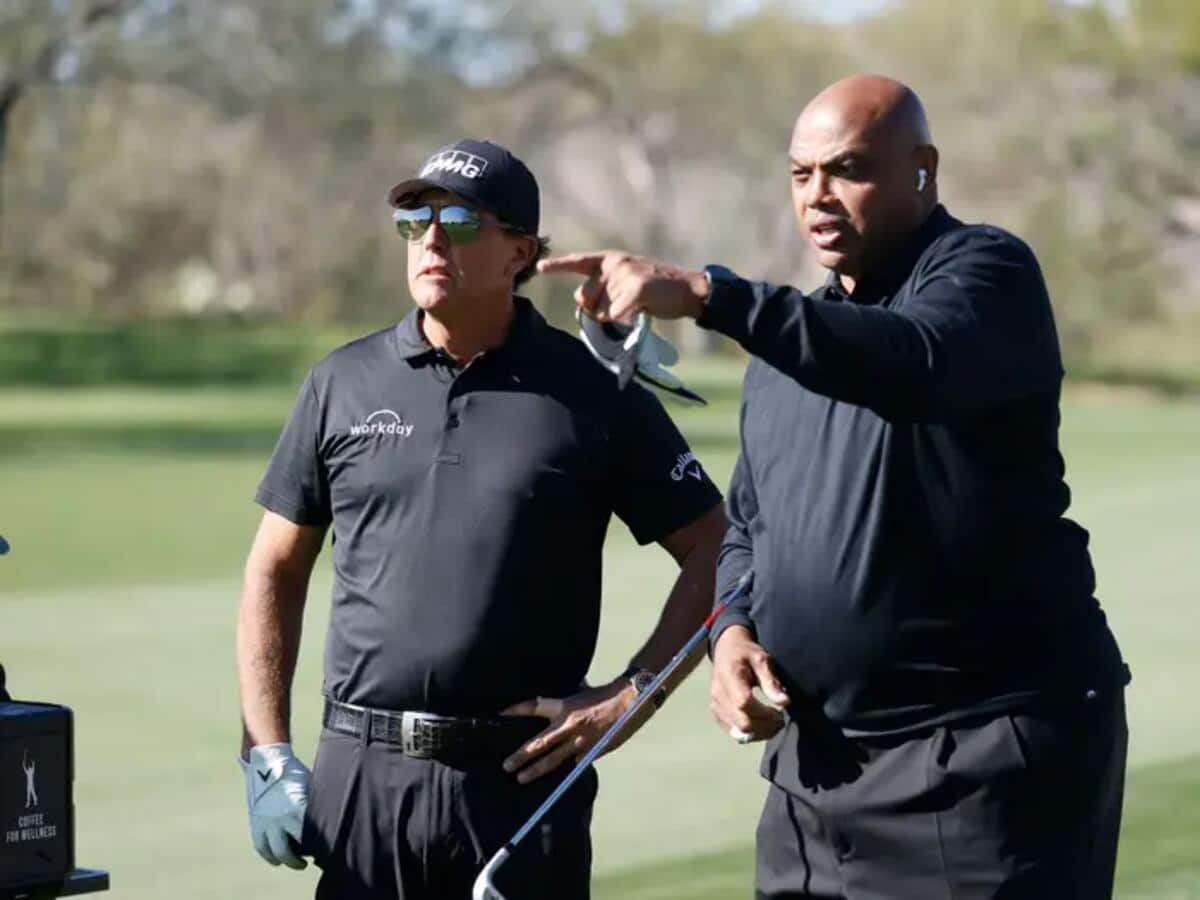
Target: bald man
942,697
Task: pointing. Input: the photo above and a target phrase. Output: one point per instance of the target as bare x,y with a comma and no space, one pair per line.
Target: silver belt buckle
416,734
411,733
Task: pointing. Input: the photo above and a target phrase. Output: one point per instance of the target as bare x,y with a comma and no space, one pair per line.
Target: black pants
383,825
1020,807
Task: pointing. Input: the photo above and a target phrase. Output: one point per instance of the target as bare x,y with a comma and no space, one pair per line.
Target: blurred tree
1051,125
668,136
1168,29
42,42
216,156
223,138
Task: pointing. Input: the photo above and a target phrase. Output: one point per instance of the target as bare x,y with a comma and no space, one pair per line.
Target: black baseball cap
482,173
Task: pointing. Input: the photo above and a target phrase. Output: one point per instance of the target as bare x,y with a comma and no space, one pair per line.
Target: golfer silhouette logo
30,767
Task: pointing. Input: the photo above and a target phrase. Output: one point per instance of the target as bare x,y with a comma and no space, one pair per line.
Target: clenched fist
739,666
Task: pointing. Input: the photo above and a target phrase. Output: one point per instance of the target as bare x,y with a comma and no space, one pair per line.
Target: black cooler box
37,828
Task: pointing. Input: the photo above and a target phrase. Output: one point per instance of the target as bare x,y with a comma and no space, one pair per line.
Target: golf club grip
740,589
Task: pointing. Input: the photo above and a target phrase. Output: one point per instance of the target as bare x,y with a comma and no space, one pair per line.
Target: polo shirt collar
522,332
885,279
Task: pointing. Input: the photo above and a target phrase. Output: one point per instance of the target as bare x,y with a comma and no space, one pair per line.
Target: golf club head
484,889
632,351
615,345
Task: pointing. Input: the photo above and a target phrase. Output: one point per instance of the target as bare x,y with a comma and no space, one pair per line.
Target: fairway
129,516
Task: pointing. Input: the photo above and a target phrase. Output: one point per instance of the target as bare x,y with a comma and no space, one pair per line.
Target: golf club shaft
735,593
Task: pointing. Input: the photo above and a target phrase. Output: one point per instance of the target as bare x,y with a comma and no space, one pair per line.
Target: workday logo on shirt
381,422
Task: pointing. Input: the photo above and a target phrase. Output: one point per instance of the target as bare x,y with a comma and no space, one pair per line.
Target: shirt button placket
455,405
455,409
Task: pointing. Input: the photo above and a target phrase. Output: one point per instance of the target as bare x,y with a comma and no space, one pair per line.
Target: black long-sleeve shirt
899,492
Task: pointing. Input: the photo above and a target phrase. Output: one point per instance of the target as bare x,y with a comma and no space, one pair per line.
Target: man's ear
524,253
926,157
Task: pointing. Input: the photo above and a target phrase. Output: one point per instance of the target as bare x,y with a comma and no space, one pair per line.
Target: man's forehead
828,135
812,148
825,122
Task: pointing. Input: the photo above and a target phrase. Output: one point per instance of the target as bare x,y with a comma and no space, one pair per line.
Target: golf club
484,889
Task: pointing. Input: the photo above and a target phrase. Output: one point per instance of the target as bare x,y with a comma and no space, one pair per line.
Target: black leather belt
424,735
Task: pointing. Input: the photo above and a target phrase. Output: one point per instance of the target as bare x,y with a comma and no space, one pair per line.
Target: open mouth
828,233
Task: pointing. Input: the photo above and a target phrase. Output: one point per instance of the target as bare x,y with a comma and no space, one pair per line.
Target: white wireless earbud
922,177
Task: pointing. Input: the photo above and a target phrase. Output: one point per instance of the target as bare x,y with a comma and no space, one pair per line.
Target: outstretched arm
975,332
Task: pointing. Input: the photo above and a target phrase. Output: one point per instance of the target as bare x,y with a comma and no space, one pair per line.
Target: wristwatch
719,275
641,679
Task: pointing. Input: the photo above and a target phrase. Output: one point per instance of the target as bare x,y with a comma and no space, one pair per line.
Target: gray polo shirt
469,508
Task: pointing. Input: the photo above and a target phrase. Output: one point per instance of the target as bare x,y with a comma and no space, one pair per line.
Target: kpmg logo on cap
457,162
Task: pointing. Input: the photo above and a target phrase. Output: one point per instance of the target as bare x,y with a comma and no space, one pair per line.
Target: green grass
129,513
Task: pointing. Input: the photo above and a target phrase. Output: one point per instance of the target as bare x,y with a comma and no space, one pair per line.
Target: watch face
642,680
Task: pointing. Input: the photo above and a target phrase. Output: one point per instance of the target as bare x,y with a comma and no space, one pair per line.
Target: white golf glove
277,795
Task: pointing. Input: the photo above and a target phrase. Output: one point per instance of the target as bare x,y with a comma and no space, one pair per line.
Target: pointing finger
580,263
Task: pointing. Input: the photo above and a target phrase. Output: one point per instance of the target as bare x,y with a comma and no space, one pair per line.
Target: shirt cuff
727,307
725,620
291,509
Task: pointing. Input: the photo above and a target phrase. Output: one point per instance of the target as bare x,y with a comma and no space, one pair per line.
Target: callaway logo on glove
277,795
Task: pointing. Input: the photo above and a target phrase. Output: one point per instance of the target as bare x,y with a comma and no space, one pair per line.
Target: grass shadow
154,437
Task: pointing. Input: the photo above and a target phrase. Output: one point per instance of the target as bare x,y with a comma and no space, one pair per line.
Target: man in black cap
946,707
468,461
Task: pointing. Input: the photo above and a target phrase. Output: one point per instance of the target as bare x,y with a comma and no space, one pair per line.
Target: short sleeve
657,483
296,484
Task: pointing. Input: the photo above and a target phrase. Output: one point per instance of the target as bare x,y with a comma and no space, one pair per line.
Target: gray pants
1021,806
383,825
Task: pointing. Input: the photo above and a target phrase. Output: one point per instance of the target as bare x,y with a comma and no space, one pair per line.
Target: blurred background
192,212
